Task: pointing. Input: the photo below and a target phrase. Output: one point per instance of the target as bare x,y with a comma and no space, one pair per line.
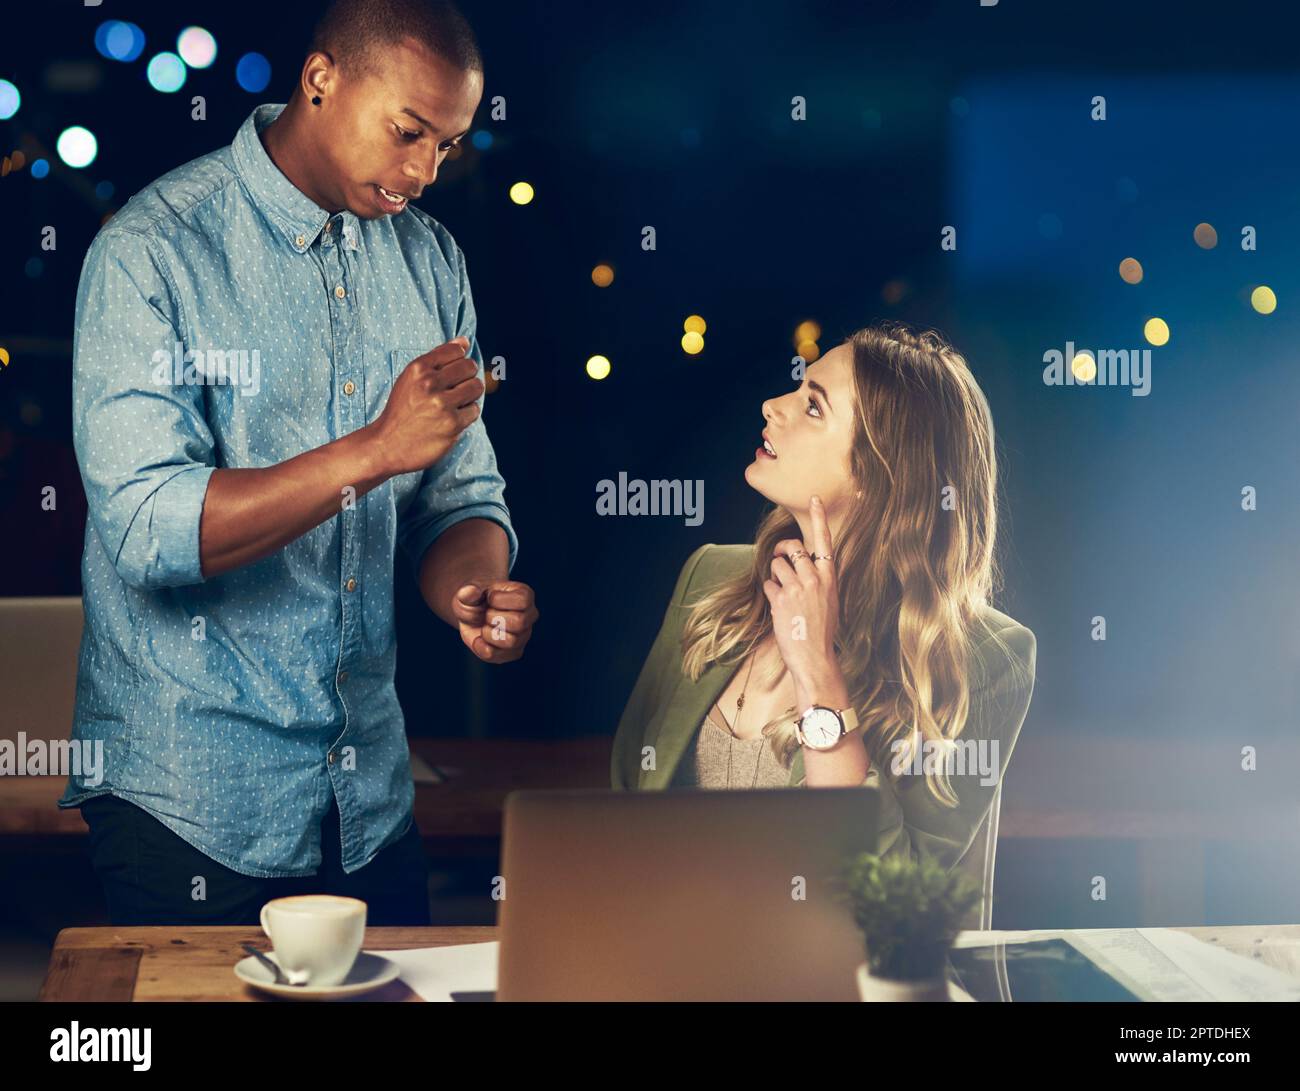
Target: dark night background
920,114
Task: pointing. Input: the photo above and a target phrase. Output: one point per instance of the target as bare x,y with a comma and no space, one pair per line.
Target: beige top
720,760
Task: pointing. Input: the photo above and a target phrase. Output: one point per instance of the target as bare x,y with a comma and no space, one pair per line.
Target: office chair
977,862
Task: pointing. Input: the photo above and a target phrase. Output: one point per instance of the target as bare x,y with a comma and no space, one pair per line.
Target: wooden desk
181,964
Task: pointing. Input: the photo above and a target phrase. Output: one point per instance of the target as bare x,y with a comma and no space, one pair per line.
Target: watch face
821,728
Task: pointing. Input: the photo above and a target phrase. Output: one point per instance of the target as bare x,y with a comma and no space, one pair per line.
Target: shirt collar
292,212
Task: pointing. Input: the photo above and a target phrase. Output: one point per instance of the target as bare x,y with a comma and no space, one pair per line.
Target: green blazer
666,708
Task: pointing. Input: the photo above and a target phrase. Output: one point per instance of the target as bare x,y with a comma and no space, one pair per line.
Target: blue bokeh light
40,168
119,40
166,73
481,140
10,100
253,72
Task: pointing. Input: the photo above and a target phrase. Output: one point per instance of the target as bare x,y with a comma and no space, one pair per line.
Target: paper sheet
434,973
1164,964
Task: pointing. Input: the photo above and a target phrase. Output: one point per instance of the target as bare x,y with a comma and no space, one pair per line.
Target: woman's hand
804,600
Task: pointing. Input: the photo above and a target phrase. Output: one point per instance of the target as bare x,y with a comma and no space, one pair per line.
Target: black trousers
148,874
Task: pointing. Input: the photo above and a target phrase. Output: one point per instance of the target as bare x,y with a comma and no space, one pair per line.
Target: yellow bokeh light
808,350
694,324
1156,331
1206,237
598,367
692,342
1130,271
521,193
1084,367
1263,299
4,356
602,276
807,331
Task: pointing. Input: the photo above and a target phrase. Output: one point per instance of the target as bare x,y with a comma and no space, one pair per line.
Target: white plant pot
884,990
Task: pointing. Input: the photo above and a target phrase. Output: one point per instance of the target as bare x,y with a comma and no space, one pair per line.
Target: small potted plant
909,913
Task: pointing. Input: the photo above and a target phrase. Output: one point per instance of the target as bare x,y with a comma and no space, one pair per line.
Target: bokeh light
119,41
1084,367
104,190
18,160
602,276
10,100
40,168
197,47
521,193
4,356
1156,331
481,140
893,291
1206,237
166,73
1263,299
598,367
253,73
692,342
809,350
807,330
1130,271
695,324
77,146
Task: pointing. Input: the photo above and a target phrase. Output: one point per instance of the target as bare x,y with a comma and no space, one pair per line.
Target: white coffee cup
320,934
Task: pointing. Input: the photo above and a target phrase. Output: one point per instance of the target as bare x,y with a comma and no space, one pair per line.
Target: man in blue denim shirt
260,421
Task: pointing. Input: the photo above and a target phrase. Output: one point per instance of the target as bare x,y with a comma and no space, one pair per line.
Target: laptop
39,639
680,894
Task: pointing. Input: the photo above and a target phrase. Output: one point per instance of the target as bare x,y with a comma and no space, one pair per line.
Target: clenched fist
432,402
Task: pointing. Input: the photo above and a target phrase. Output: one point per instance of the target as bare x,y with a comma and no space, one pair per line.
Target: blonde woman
854,643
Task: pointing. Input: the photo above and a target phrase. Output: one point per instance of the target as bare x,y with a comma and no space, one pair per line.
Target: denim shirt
224,319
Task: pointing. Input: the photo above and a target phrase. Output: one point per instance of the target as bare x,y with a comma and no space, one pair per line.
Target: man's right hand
432,402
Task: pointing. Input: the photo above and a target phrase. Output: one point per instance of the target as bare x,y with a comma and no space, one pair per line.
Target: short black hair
355,32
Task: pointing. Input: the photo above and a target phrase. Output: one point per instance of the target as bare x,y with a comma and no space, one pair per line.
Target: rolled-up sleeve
142,439
465,482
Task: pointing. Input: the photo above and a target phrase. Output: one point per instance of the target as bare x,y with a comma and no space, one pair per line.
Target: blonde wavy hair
914,571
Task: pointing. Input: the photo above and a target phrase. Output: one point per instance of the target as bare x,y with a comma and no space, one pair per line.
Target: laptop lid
682,894
39,638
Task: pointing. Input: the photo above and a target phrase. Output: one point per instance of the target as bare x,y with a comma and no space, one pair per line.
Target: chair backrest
978,861
40,639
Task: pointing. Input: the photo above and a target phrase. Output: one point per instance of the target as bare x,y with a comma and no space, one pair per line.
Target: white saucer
369,972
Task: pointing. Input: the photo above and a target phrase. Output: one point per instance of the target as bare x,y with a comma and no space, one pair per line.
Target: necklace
740,704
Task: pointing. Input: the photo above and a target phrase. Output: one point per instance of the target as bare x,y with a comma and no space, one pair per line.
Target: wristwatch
820,728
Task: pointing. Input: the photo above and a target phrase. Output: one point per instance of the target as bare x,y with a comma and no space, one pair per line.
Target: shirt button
329,226
352,585
349,387
340,292
343,676
330,759
302,241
